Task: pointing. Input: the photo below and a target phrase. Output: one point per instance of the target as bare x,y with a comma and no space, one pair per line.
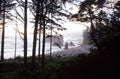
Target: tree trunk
51,43
15,38
0,6
92,27
3,35
43,45
25,34
39,47
92,33
51,39
35,34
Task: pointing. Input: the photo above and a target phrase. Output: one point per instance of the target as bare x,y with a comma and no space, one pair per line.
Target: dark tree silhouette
40,31
5,7
35,32
25,33
87,13
3,32
46,8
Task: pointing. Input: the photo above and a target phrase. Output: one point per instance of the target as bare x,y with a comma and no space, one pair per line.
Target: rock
72,44
66,45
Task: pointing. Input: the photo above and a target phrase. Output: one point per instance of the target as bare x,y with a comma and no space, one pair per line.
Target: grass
14,69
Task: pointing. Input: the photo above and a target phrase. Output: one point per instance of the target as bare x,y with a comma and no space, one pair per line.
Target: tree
115,19
53,11
40,31
0,6
103,25
5,7
3,32
89,11
35,33
25,33
46,7
15,38
54,7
